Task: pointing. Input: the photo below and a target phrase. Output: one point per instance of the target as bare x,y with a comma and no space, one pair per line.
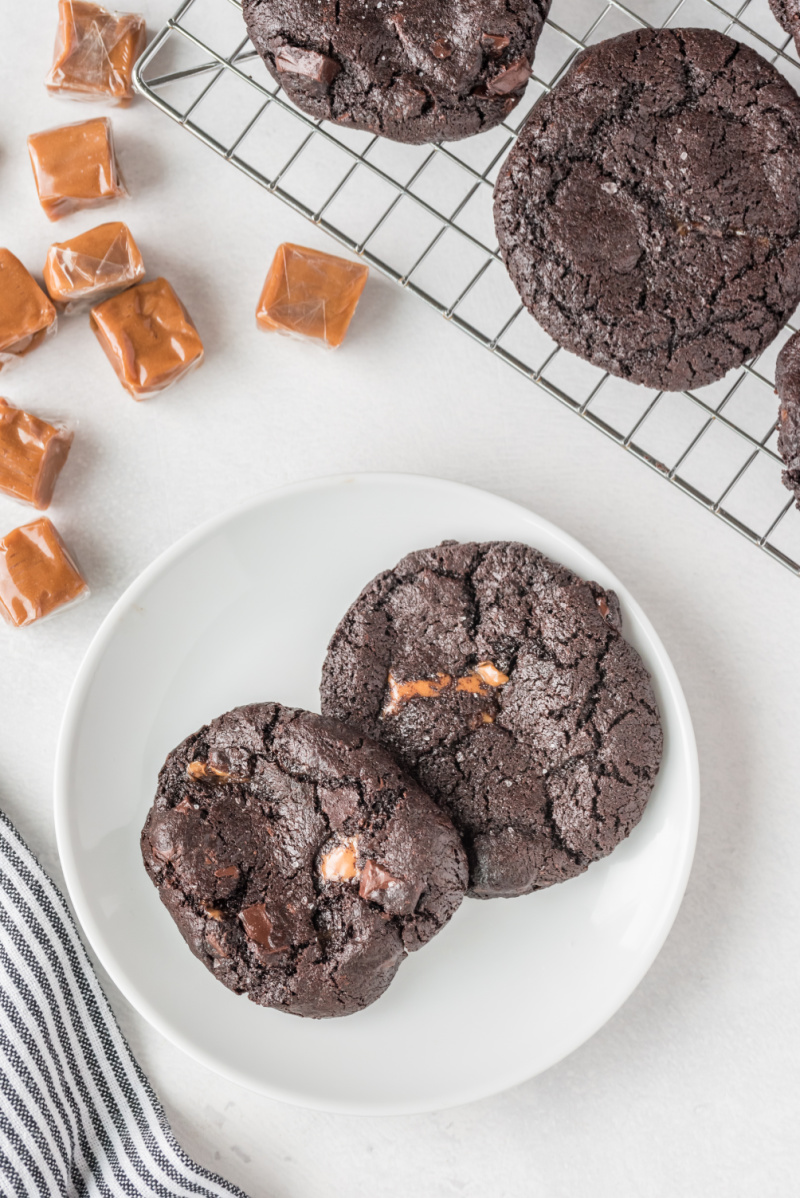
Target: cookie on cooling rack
411,70
787,383
298,861
503,684
787,14
649,213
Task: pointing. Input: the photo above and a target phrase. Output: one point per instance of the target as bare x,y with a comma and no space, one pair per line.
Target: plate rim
68,858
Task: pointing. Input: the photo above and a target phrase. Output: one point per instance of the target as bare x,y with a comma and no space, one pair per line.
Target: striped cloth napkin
77,1115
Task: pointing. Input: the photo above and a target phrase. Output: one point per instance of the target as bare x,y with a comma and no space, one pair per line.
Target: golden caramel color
26,313
148,337
340,865
310,294
93,264
32,455
75,167
95,53
37,574
481,681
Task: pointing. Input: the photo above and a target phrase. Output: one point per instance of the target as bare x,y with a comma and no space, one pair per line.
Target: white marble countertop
692,1087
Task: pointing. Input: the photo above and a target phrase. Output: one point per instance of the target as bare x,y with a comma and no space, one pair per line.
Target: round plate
242,610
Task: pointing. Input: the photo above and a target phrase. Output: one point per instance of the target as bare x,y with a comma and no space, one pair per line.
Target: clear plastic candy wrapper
92,265
148,337
95,53
75,167
38,575
310,294
26,314
33,453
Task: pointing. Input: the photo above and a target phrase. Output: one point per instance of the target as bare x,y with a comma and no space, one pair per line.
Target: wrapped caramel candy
75,167
310,294
92,265
32,455
95,53
26,314
37,574
148,337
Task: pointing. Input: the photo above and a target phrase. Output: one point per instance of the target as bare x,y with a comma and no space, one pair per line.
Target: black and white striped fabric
77,1115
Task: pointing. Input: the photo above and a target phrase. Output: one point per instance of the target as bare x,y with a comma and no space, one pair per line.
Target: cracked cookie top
412,70
649,214
502,683
297,859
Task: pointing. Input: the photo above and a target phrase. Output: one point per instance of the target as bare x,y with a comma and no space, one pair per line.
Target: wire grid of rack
423,216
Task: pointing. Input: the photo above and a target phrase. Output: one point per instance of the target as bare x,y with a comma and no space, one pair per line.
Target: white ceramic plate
242,610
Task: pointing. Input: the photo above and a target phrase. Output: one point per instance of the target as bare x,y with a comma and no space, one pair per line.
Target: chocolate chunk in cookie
503,684
299,862
411,70
649,214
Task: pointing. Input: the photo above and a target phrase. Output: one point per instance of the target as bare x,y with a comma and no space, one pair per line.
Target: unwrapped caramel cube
32,455
26,314
92,265
148,337
310,294
75,167
37,574
95,53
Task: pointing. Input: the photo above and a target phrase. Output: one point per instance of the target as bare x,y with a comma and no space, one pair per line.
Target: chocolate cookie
502,682
649,214
787,14
299,863
412,70
787,383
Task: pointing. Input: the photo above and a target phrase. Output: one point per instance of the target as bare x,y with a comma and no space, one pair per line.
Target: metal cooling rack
422,215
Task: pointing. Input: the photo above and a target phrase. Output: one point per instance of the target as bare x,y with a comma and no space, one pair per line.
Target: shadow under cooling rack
422,215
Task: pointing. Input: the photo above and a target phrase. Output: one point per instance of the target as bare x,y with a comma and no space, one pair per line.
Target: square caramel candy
26,313
148,337
32,455
92,265
95,53
310,294
37,574
75,167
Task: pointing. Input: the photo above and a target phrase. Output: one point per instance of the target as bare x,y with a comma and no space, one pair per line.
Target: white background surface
692,1087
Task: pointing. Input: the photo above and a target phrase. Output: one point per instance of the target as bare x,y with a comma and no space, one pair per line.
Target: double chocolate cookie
503,684
787,383
787,14
649,214
299,862
411,70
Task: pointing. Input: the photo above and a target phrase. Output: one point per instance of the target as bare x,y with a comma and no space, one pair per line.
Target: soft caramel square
37,574
26,313
310,294
148,337
95,53
75,167
32,455
92,265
